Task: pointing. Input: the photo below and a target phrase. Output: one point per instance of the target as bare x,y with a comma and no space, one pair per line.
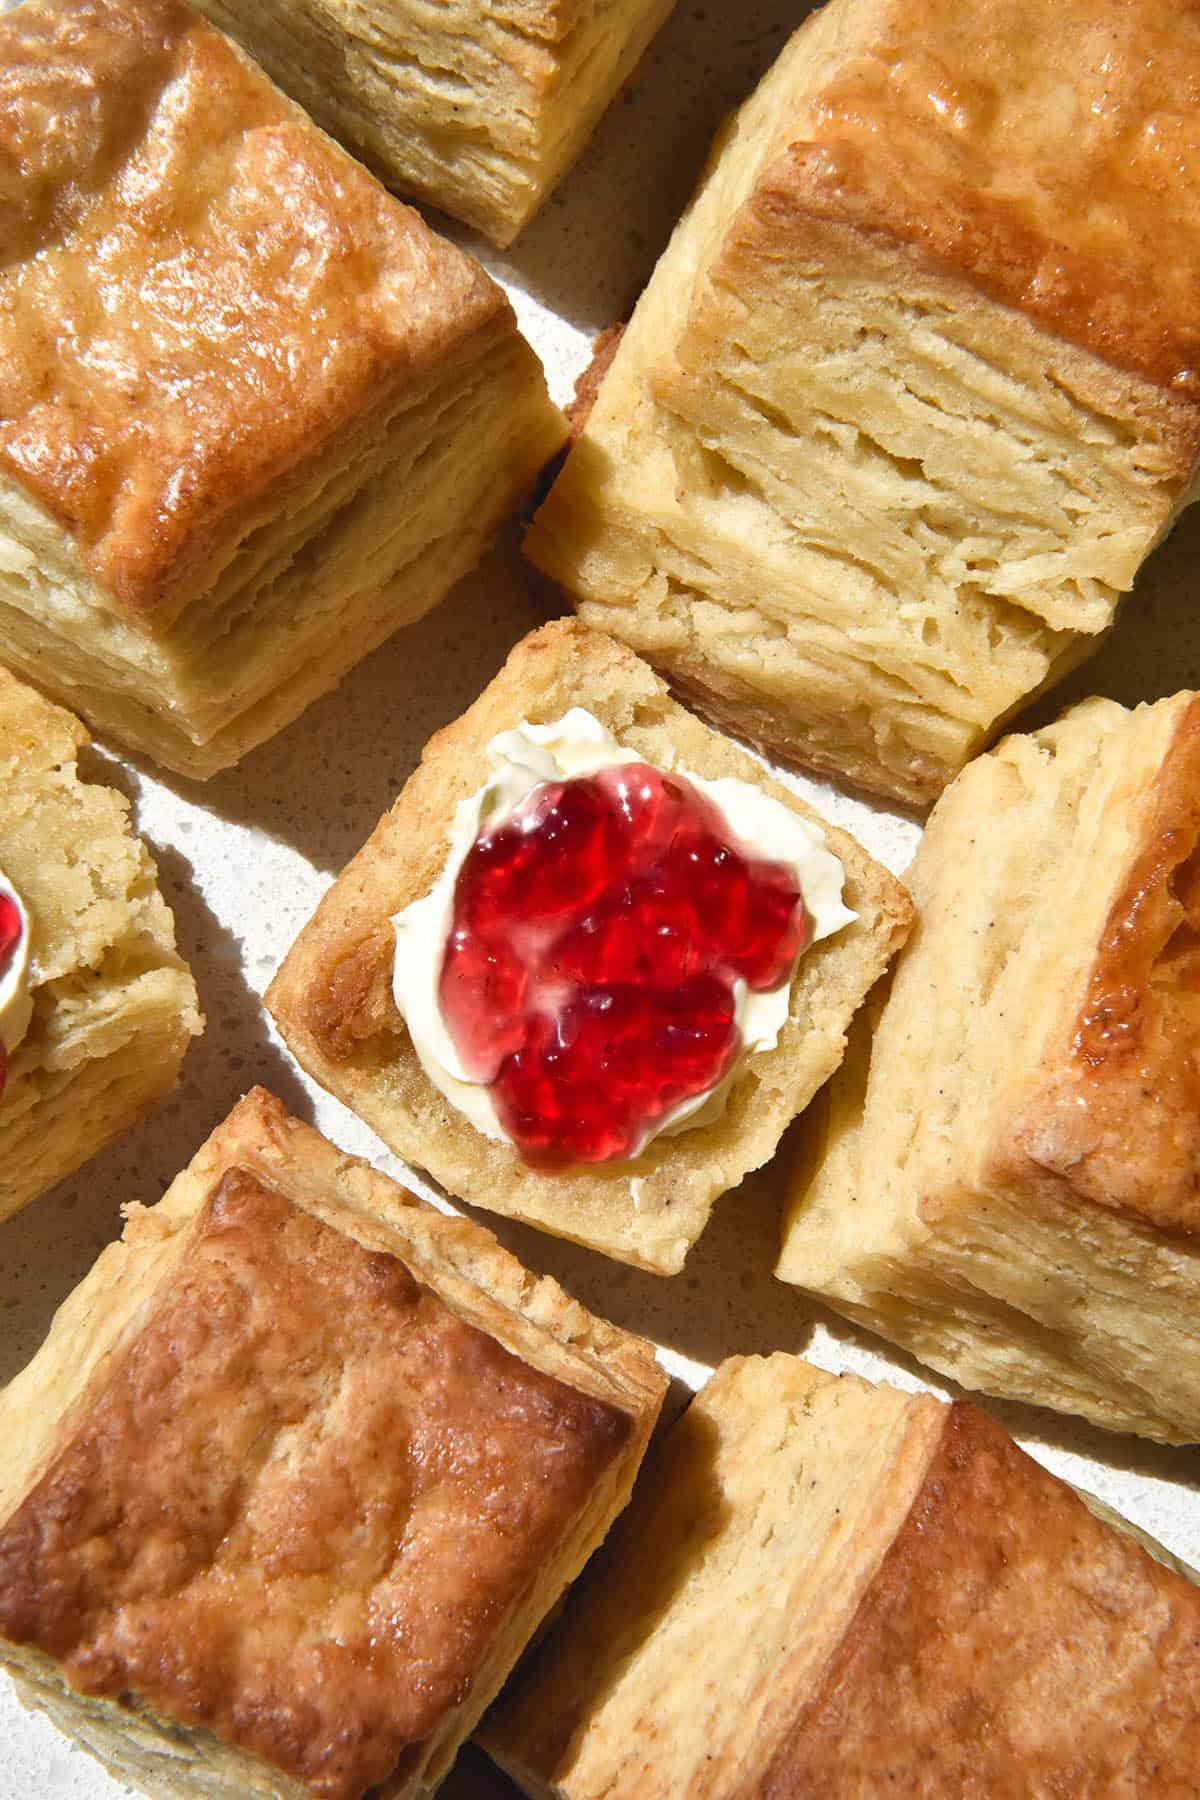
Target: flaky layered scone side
475,108
638,985
254,414
98,1008
296,1475
828,1590
913,391
1004,1179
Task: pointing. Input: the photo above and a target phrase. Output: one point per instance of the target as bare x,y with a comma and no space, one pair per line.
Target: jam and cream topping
16,1006
607,943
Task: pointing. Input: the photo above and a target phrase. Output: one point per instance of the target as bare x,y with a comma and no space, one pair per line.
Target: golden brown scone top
1049,150
304,1504
1011,1644
198,290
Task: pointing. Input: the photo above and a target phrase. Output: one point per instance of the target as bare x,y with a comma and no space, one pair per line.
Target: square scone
569,974
254,415
475,108
1004,1179
826,1589
96,1006
913,391
299,1469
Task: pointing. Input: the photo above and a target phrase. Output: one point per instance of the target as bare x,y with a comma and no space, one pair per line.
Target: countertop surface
244,859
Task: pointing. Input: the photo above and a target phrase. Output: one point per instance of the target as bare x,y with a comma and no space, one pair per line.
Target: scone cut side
822,1587
1003,1178
474,109
331,1455
333,1003
299,422
894,423
114,1005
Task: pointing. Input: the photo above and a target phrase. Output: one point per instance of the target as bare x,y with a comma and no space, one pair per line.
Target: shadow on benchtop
586,258
724,1302
321,785
1154,648
48,1247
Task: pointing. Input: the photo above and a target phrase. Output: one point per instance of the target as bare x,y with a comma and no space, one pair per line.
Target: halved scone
831,1590
334,998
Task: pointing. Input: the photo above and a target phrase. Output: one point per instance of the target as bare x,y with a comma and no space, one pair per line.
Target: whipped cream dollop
521,760
16,1004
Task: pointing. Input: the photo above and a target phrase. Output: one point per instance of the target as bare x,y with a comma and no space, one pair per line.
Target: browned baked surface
1047,151
1011,1644
303,1504
834,1591
1119,1120
310,1308
199,290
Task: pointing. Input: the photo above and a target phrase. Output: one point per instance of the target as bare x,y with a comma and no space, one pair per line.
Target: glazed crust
158,382
1044,152
330,1457
1006,1179
332,997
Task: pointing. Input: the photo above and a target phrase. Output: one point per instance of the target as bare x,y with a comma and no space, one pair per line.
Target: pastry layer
1004,1179
321,1470
301,601
333,1003
478,109
854,498
114,1005
243,447
827,1589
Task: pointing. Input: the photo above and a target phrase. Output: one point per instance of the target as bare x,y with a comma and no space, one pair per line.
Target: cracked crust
332,1001
399,1446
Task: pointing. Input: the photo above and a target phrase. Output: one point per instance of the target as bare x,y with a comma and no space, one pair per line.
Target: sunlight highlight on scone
912,392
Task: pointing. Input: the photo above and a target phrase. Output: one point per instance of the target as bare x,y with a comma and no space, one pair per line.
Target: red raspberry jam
10,940
596,937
